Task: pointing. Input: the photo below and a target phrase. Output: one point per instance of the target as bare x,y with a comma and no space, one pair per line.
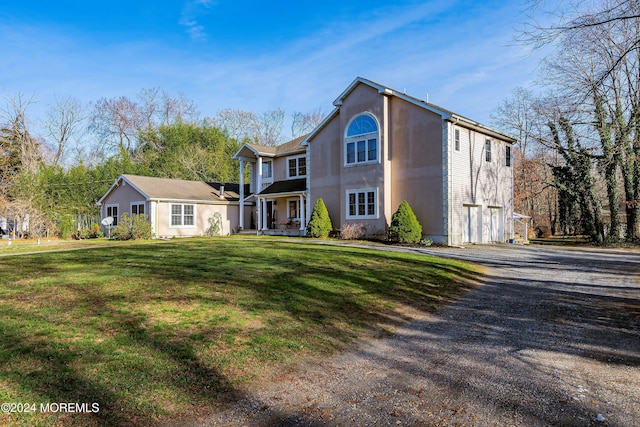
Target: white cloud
191,11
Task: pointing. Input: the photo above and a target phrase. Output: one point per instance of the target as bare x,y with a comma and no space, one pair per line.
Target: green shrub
320,223
132,228
88,233
65,227
405,227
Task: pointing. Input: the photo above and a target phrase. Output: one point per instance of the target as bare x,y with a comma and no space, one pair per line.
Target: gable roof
288,148
165,189
442,112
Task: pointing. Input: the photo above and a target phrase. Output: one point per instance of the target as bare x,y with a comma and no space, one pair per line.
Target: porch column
303,216
152,218
241,219
258,214
258,175
264,214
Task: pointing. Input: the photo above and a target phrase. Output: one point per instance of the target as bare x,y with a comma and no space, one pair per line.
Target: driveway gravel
550,338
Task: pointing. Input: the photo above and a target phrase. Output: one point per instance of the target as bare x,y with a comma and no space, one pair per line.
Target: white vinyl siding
469,174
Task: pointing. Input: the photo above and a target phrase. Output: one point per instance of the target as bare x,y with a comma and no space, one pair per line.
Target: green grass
155,331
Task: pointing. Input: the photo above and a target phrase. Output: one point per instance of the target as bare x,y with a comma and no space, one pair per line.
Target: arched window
361,140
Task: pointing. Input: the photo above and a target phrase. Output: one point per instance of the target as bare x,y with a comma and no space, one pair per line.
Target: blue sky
258,55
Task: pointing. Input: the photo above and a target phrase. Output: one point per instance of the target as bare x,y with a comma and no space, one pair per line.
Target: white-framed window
297,166
137,208
508,156
267,169
456,139
183,215
487,150
112,211
362,204
361,142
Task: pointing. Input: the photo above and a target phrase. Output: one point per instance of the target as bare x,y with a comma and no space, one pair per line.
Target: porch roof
289,186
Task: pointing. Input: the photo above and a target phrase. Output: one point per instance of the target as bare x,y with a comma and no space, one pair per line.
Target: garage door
470,224
494,225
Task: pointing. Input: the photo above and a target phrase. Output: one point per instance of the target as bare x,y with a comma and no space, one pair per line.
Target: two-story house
377,148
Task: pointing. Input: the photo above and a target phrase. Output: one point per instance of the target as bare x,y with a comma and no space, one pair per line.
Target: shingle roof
288,186
289,147
180,189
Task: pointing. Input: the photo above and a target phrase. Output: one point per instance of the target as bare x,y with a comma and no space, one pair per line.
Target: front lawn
154,331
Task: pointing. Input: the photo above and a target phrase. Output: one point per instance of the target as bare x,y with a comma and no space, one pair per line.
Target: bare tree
65,120
22,149
117,121
157,107
264,129
271,123
303,123
571,17
238,124
596,70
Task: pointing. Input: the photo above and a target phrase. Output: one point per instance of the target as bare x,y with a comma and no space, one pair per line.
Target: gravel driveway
551,338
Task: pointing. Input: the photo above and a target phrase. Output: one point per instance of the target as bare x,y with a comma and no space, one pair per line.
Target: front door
270,219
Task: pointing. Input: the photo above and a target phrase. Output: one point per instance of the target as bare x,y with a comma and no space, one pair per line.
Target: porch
281,209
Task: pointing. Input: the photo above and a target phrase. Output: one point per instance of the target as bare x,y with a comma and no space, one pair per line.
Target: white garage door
494,225
470,224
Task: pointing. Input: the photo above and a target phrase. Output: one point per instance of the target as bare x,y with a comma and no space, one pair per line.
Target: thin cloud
191,11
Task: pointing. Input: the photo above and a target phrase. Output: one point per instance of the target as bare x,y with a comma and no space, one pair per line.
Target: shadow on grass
304,296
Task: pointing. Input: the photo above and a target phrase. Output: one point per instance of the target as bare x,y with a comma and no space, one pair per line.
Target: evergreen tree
405,227
320,223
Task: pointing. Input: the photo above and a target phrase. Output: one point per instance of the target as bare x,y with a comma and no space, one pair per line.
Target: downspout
386,162
241,207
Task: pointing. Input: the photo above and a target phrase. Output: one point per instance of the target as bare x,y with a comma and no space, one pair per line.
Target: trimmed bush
132,228
405,227
320,223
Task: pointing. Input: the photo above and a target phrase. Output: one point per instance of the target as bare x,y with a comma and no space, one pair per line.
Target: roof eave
116,185
481,128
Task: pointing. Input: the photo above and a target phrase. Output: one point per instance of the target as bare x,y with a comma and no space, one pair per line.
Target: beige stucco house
176,208
379,147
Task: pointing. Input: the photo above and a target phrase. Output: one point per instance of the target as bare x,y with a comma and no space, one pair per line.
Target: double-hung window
112,211
137,208
362,141
362,204
508,156
267,169
297,166
487,150
182,215
457,139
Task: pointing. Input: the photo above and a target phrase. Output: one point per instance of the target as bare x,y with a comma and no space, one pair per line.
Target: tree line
577,162
54,169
